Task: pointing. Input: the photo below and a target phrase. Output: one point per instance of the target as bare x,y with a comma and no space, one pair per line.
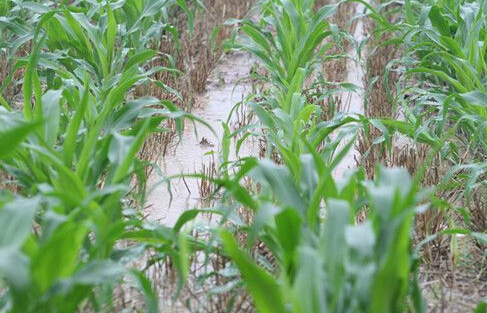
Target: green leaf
34,7
16,219
14,266
70,142
261,285
182,4
4,103
123,170
256,35
98,272
481,237
58,256
481,307
13,136
288,231
282,183
310,286
111,31
140,58
439,22
152,305
476,97
186,217
50,114
119,147
335,247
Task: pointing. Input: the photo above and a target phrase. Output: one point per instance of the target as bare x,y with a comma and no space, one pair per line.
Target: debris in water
205,143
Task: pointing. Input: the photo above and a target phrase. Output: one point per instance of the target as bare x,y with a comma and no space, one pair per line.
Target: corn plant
444,98
96,38
64,201
289,54
451,46
446,55
320,261
71,156
290,41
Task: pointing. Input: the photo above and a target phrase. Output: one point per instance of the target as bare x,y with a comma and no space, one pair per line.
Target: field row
366,190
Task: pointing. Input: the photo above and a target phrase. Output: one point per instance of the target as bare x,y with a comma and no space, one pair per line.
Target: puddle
199,146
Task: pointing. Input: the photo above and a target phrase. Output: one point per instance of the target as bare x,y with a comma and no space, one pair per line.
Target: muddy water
354,100
227,86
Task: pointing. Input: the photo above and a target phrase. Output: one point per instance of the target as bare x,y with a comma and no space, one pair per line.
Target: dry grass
263,153
205,185
336,70
456,280
4,66
379,92
243,117
454,268
4,183
478,210
413,157
14,89
196,59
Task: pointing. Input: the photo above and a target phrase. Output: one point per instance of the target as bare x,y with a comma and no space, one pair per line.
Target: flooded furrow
199,146
354,100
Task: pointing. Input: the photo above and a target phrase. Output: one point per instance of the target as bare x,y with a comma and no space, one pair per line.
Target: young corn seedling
290,41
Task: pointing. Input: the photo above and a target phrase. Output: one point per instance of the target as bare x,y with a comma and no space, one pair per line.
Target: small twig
187,188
